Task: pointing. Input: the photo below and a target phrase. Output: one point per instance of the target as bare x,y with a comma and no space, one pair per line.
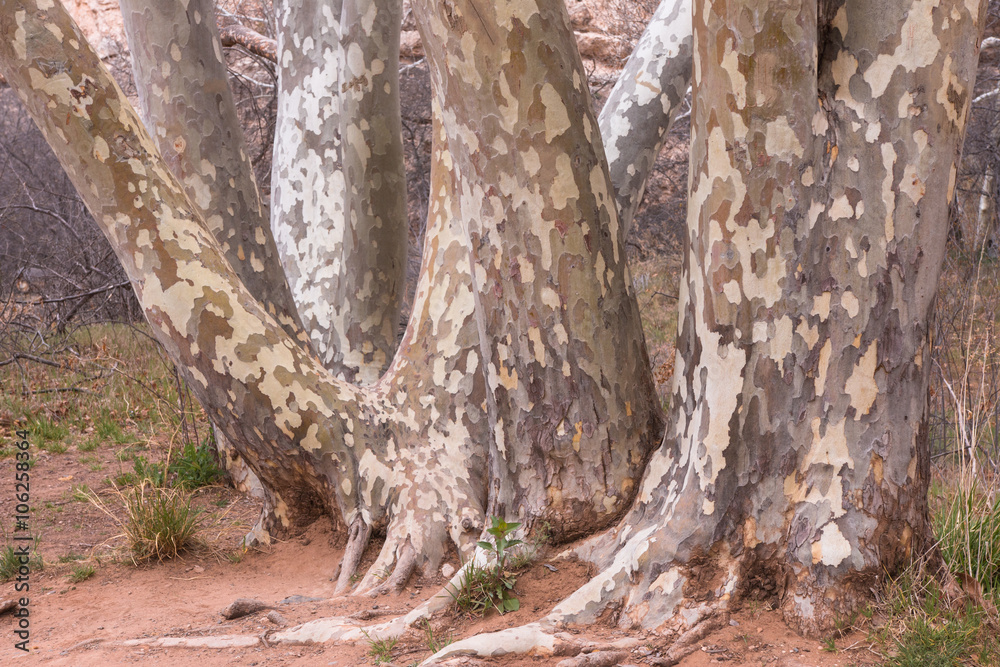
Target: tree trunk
570,385
797,465
822,163
338,186
409,454
188,108
645,100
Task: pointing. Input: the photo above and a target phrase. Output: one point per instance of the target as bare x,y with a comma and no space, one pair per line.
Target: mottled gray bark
188,108
644,102
817,232
562,345
823,161
338,203
410,453
326,446
797,465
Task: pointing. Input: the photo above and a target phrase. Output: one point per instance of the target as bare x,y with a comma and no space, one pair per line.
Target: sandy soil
86,623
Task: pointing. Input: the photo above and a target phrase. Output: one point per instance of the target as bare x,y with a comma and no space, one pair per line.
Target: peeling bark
570,388
817,227
644,102
189,110
411,453
822,163
338,203
316,443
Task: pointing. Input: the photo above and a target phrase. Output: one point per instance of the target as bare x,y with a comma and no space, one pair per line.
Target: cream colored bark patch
850,303
556,116
917,48
861,386
564,187
723,386
730,63
821,305
832,548
780,139
829,448
911,184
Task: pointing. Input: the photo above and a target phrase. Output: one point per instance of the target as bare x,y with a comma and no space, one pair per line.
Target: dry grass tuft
157,522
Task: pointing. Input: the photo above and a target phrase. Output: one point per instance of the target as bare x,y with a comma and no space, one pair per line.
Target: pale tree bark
408,454
986,211
797,467
985,238
569,379
326,445
645,100
189,109
823,160
338,186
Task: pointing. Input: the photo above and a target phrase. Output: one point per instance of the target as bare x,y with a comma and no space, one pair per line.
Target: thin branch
59,218
235,34
31,357
71,297
986,96
57,390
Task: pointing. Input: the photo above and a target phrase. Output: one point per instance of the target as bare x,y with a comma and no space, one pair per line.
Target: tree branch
341,230
72,297
236,34
203,144
644,102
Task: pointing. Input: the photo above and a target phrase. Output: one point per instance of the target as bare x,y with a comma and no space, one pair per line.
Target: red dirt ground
84,624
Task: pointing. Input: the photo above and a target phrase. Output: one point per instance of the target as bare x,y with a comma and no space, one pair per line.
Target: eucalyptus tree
794,460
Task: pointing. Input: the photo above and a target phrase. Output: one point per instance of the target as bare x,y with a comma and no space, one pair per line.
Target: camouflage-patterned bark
644,102
235,34
411,452
188,108
823,158
569,381
338,203
304,433
797,467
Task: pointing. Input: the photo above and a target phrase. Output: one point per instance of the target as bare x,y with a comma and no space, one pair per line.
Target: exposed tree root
273,521
595,659
242,477
332,629
690,621
357,540
537,638
544,638
215,641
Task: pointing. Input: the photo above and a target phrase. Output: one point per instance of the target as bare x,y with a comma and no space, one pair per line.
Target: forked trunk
823,159
522,369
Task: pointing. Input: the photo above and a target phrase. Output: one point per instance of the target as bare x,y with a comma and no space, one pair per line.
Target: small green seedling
500,530
502,595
